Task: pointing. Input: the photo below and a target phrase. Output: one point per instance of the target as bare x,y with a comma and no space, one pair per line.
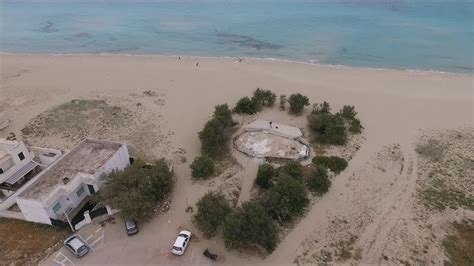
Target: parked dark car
131,227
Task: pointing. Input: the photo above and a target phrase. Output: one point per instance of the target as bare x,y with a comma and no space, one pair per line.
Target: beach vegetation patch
216,132
246,105
432,150
287,199
327,128
459,245
293,169
137,189
78,119
202,167
297,103
264,97
334,163
212,209
348,112
355,126
319,181
250,226
265,176
283,102
323,107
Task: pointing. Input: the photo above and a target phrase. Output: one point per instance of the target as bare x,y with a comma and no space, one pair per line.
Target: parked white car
181,243
76,246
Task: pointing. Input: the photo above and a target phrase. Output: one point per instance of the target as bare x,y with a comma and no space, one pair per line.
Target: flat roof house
67,184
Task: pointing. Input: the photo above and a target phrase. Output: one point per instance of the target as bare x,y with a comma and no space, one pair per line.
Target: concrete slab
274,128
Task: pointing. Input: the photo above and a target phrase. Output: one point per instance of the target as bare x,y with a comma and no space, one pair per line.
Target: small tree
327,128
246,106
137,189
250,226
264,176
297,103
321,107
334,163
348,112
214,138
319,181
355,126
264,97
202,167
224,114
212,209
286,199
282,102
293,169
216,132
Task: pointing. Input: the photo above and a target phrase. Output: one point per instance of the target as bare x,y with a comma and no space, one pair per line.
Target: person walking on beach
197,64
270,124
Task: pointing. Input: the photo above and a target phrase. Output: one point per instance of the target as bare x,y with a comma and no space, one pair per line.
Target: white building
19,164
65,186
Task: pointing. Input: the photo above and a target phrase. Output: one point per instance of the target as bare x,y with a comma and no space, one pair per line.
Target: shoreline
265,59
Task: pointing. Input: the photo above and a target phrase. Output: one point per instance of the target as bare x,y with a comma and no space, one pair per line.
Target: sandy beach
171,99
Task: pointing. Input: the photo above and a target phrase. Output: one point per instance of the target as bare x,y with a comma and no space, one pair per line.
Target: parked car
76,246
131,227
181,243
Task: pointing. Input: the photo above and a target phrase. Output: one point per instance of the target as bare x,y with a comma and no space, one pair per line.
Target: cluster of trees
254,104
138,189
332,128
334,163
266,98
202,167
284,197
216,132
214,138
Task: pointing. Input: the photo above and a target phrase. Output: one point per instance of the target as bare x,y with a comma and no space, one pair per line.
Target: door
91,189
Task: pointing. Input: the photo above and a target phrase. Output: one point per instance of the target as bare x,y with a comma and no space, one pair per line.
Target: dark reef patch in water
48,27
245,41
83,35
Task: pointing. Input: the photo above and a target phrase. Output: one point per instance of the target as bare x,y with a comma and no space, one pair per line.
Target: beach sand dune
171,100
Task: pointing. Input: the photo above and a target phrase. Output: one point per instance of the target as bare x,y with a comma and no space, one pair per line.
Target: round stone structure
265,139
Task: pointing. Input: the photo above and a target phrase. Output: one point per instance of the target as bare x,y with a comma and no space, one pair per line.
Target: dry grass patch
24,243
459,246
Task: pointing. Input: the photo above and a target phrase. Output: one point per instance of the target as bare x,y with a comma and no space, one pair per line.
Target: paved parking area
111,245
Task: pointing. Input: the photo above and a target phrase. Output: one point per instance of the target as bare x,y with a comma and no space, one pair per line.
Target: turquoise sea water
400,34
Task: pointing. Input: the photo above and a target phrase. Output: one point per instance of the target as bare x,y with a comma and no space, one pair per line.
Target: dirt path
378,234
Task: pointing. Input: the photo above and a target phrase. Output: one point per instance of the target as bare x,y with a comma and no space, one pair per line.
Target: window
21,156
1,170
57,208
79,192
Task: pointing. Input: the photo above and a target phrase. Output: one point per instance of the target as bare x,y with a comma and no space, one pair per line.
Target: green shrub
216,132
348,112
297,103
318,181
355,126
286,199
137,189
264,176
293,169
224,115
264,97
327,128
336,164
246,106
214,138
212,209
248,226
202,167
282,102
321,108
